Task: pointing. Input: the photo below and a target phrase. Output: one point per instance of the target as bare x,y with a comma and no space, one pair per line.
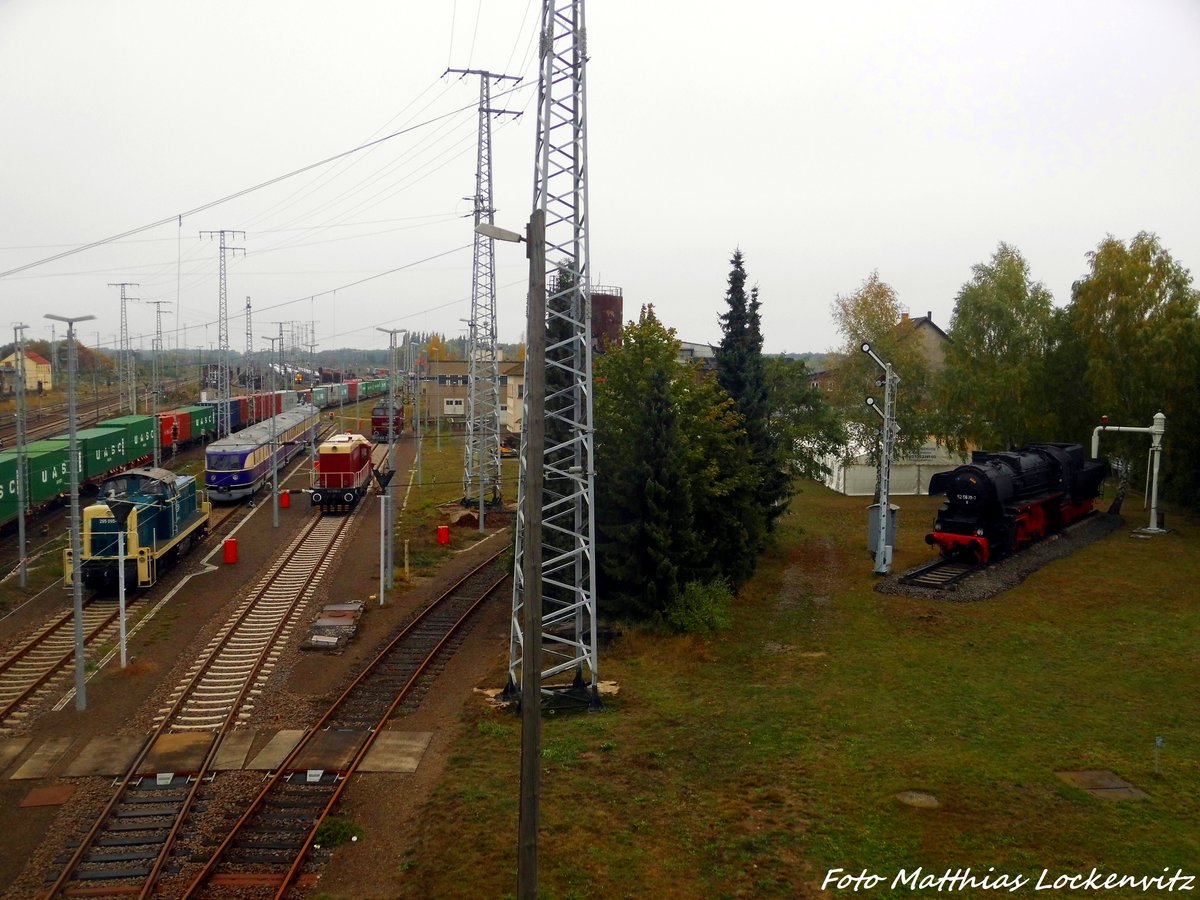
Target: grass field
422,501
752,764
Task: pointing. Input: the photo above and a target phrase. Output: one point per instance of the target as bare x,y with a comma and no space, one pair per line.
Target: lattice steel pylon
156,376
481,464
223,391
247,365
568,570
126,377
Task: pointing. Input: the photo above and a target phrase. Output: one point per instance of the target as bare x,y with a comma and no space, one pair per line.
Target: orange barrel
285,499
443,534
230,546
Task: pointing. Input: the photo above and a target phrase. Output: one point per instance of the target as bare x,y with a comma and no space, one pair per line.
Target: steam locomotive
1000,502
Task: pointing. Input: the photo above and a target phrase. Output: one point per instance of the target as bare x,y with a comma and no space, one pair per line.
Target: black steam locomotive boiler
1000,502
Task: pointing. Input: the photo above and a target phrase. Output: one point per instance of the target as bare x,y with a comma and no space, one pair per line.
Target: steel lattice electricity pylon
481,466
223,391
156,377
568,518
247,366
125,368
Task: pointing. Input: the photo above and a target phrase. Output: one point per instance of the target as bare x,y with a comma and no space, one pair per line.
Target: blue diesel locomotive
238,466
166,518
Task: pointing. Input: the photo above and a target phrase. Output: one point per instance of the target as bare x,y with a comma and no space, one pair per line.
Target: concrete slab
335,608
1129,793
231,755
330,750
396,751
1095,779
276,751
1104,784
919,799
44,759
183,752
106,755
56,795
10,749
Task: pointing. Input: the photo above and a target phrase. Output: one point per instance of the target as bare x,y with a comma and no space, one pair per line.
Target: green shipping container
48,476
8,486
49,472
204,419
140,432
101,450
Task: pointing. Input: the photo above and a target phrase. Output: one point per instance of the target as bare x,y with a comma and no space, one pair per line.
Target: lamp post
121,510
417,414
19,340
274,449
390,492
531,574
76,544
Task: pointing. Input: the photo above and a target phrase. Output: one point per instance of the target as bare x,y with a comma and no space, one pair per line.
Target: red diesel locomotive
342,472
379,419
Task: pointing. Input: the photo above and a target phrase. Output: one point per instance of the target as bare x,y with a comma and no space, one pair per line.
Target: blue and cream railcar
239,465
166,517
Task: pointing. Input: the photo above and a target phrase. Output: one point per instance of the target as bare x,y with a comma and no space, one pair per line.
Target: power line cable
234,196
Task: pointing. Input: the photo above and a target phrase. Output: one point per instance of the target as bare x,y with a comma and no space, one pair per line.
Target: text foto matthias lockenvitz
951,880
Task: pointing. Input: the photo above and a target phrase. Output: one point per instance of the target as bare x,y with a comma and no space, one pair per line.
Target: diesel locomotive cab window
224,461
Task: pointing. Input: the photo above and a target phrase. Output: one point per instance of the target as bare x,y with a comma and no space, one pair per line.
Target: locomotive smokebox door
873,526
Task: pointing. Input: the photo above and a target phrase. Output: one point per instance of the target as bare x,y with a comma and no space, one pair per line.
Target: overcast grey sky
826,140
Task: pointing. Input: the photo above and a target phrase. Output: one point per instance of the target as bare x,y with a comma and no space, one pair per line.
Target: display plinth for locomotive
167,518
1000,502
342,473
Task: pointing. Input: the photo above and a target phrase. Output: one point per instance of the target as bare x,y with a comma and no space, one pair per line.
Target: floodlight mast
389,496
76,540
22,492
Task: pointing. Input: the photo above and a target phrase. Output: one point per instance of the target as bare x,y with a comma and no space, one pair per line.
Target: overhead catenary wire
230,197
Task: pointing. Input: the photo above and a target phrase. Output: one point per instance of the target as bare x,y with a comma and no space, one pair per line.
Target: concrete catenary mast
567,526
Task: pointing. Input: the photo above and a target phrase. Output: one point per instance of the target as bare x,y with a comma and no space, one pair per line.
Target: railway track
137,836
31,669
140,842
241,654
50,419
268,846
939,574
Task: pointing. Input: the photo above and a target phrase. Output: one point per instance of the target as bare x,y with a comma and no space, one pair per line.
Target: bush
703,608
334,831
